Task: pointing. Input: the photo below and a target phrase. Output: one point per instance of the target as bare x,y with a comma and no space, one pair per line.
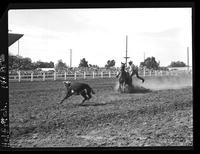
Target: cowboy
133,70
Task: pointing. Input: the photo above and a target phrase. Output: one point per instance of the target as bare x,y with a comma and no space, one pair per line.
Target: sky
99,35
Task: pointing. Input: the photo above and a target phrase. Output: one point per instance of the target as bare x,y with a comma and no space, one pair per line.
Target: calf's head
68,91
67,84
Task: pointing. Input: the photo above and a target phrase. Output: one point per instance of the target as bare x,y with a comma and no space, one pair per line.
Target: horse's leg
124,84
130,82
119,89
122,87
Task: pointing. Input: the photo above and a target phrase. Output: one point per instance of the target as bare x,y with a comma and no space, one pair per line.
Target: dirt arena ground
162,116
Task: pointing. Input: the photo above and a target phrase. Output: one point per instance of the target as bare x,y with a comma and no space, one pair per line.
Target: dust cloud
158,83
168,82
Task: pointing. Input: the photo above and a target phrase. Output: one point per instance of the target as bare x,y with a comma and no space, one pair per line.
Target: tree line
18,62
21,63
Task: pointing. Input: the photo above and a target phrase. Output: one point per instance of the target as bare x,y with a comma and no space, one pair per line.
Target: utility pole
70,58
126,50
188,57
18,55
144,56
18,47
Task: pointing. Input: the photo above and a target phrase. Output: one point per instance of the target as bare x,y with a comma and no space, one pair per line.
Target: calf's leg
83,93
89,95
68,95
63,99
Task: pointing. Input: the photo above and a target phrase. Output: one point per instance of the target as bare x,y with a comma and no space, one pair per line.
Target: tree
40,64
83,63
110,63
18,62
94,66
150,63
60,65
177,64
51,64
13,62
26,64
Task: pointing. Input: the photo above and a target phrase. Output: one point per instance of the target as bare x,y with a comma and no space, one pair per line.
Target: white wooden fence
85,75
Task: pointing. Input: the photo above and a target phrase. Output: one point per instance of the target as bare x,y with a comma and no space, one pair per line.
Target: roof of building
12,38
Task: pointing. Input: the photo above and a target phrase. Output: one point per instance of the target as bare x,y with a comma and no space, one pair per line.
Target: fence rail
85,75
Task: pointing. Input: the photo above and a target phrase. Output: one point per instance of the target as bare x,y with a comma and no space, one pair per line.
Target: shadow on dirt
91,104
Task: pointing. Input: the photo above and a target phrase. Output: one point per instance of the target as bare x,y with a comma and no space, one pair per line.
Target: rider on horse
124,75
122,69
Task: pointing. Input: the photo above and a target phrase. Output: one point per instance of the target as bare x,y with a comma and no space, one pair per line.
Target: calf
77,88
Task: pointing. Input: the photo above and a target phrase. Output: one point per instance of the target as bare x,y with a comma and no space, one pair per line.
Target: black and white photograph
100,77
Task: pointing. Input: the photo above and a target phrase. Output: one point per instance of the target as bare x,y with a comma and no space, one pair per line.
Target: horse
124,78
78,88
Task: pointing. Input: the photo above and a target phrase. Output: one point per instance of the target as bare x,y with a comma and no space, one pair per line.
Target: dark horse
124,78
77,88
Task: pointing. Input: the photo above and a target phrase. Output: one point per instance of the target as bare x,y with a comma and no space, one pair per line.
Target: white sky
100,34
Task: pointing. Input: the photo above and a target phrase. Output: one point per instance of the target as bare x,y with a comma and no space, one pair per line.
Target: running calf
78,88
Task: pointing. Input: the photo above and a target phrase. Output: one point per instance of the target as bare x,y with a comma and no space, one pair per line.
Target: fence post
75,76
32,76
93,75
65,75
84,75
19,76
54,76
43,76
101,74
144,72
